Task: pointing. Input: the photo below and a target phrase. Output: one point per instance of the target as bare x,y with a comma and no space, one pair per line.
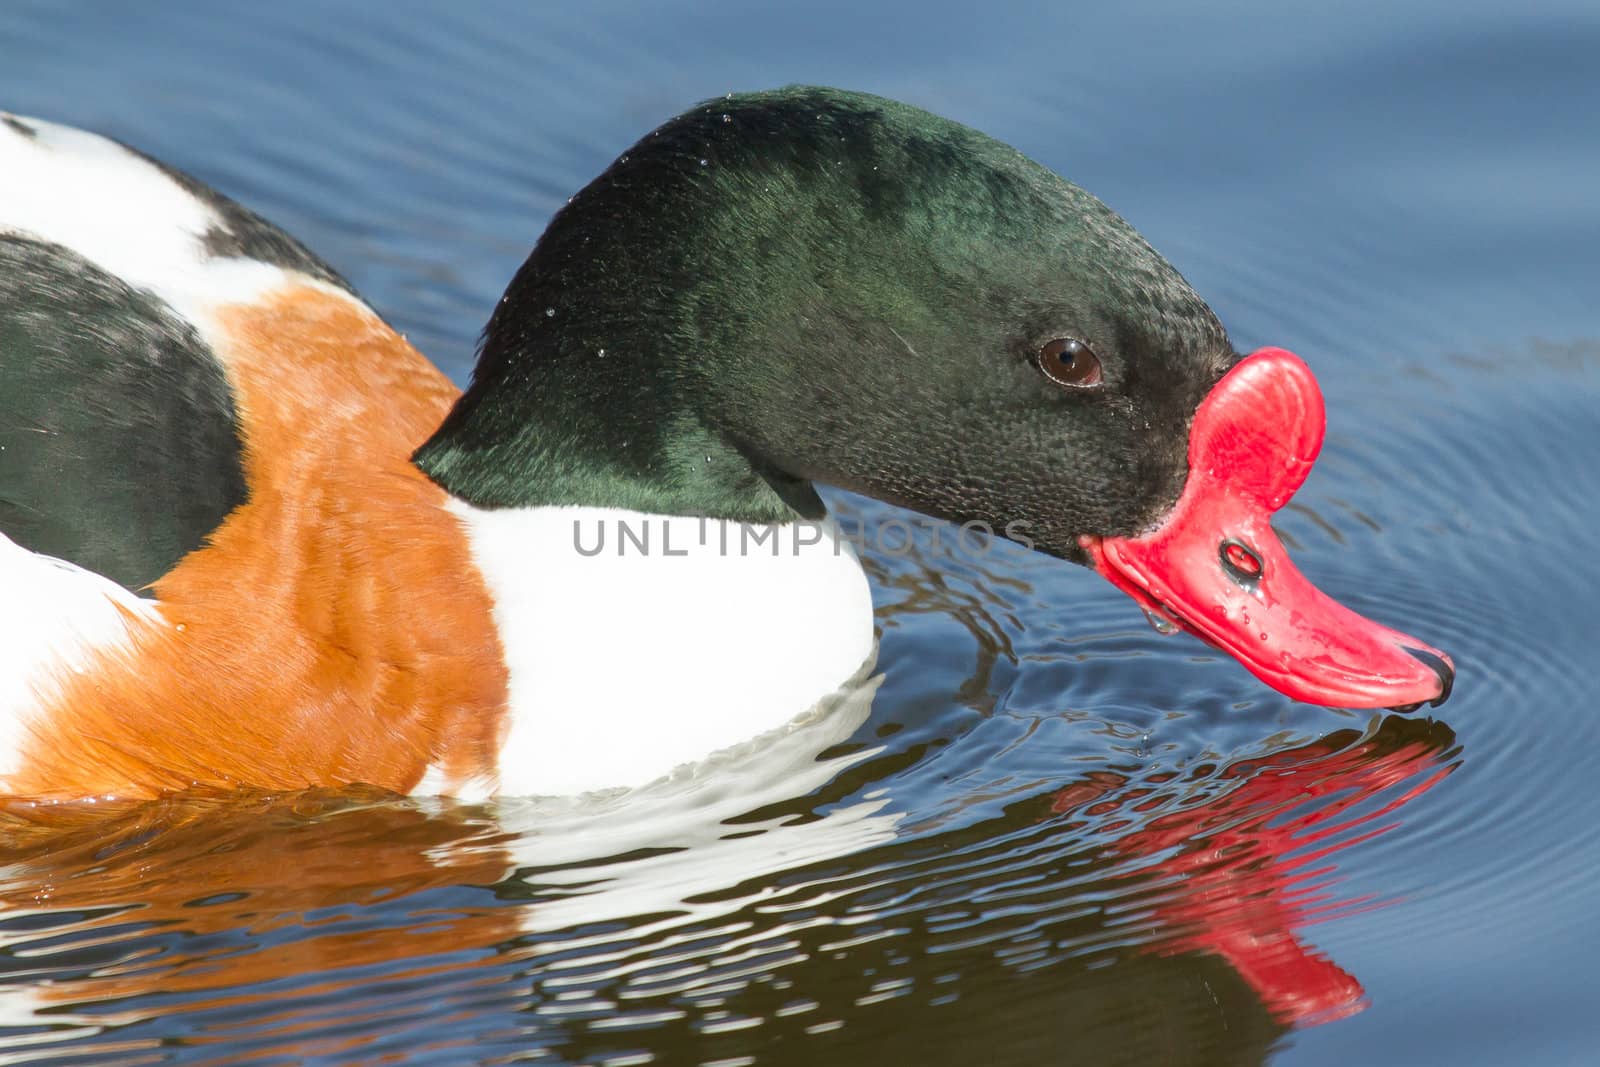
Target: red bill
1215,568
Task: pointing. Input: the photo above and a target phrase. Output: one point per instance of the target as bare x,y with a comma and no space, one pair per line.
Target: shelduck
250,536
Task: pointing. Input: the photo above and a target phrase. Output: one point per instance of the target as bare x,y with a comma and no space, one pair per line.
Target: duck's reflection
1110,919
1255,864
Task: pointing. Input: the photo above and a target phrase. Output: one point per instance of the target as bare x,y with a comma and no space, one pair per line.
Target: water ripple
1045,826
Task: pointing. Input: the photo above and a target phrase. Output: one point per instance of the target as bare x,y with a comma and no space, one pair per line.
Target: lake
1051,834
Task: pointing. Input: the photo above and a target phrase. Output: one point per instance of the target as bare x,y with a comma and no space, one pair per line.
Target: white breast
639,643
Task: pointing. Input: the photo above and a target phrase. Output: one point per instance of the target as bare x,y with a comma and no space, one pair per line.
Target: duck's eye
1068,361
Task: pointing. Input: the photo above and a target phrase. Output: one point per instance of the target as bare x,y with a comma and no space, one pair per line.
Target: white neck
638,643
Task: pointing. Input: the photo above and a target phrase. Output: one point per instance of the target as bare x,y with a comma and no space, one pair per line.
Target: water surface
1051,834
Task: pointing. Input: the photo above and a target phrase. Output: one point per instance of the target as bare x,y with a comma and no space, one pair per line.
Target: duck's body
347,619
337,591
250,536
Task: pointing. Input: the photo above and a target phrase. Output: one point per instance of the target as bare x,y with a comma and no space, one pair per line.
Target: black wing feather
119,441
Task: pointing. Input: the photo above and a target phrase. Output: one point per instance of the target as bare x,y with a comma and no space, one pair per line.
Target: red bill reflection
1251,867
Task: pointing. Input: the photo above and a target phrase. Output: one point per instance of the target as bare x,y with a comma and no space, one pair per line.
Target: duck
251,538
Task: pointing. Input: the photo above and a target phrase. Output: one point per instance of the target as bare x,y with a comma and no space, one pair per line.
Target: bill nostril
1440,666
1242,564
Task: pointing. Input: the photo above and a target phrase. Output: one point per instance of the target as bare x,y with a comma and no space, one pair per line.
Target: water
1055,834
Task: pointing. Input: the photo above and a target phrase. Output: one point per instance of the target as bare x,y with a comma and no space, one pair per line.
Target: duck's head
782,288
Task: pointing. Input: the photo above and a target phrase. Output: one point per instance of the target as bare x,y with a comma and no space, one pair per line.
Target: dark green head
811,285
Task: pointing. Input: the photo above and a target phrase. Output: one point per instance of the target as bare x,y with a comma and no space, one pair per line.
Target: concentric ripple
1045,833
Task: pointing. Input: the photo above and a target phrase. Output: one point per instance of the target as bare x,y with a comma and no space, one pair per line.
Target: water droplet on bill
1159,622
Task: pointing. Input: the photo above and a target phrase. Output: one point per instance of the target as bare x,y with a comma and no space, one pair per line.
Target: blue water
1057,835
